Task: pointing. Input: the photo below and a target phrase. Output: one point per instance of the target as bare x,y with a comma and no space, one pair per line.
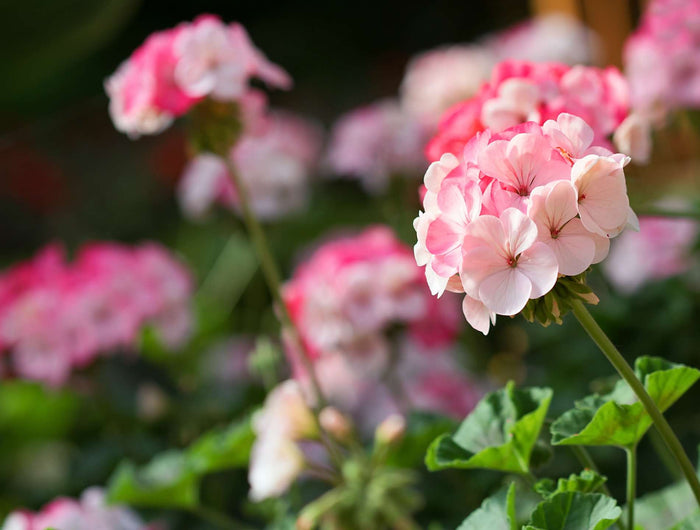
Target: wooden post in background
612,20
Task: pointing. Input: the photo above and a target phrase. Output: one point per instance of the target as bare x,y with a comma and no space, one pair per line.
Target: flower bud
390,430
335,423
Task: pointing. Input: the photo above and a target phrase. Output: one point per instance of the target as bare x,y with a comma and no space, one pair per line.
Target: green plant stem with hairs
625,370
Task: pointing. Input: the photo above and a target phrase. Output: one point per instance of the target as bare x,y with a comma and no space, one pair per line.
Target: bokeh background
67,175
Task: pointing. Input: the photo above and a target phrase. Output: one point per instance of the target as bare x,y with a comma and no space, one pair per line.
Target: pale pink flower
91,512
516,210
276,460
602,194
554,210
374,143
662,248
504,265
217,60
516,102
633,138
480,317
204,182
520,165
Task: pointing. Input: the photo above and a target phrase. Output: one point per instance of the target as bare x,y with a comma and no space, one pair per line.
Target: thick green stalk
625,370
631,484
272,277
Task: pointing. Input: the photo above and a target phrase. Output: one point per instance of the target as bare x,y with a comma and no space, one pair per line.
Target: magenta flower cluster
521,91
56,317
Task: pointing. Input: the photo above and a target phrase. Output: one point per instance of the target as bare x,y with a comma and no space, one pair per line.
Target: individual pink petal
602,194
520,229
443,235
477,314
479,260
539,265
506,291
561,203
437,171
574,247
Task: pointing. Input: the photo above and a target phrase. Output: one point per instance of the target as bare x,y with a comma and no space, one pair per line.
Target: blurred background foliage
67,175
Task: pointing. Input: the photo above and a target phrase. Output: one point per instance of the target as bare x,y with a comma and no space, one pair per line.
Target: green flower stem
272,277
631,484
586,461
623,368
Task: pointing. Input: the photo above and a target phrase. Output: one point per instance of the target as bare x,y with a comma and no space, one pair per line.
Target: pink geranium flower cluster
176,68
376,142
521,91
662,58
353,290
56,316
517,209
363,311
275,158
91,512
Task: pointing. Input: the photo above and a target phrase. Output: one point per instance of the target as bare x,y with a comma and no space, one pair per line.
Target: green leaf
222,449
499,434
665,507
588,481
497,512
421,429
171,479
575,511
617,418
166,482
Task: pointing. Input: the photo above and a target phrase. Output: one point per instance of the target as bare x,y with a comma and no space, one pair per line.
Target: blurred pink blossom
350,293
437,79
55,316
662,248
520,91
662,58
276,460
175,68
553,37
275,160
90,512
375,143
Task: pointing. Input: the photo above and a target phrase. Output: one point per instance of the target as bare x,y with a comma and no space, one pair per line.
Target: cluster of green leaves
502,434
